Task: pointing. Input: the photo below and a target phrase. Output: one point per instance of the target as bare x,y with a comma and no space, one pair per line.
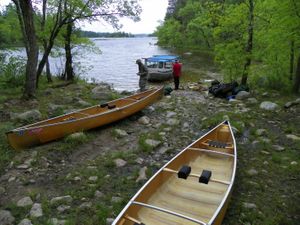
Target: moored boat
81,120
160,67
192,188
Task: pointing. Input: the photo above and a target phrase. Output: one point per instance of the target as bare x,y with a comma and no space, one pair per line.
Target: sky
153,12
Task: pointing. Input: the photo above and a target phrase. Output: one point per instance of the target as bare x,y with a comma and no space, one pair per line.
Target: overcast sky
153,12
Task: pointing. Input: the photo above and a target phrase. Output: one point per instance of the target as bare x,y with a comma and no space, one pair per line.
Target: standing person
176,73
143,72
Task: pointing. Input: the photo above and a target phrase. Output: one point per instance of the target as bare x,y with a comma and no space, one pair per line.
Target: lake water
116,63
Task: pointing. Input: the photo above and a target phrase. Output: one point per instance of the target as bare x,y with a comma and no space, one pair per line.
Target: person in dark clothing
176,73
143,72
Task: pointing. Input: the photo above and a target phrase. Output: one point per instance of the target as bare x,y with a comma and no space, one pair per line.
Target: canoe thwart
211,151
169,212
136,222
204,178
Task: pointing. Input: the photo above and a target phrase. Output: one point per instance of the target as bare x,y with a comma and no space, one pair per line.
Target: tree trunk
297,77
68,66
249,44
26,9
292,55
43,22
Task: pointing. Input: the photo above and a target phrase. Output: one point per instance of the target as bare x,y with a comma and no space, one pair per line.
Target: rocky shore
88,177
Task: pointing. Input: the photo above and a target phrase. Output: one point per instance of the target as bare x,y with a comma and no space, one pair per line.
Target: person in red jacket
176,73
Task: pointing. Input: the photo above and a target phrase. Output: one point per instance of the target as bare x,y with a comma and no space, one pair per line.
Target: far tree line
43,23
256,41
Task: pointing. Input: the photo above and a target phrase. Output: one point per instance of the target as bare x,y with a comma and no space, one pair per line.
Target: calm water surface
116,65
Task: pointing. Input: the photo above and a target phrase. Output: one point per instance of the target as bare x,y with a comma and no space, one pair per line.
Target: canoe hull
35,135
166,199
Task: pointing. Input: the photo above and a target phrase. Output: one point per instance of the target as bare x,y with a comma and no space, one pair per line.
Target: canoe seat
103,105
217,144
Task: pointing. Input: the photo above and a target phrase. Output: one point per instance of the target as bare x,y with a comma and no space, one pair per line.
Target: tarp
162,58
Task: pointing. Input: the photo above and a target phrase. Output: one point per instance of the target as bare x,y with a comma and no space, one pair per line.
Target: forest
253,41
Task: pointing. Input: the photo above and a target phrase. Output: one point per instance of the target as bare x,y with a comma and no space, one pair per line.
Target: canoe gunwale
31,126
226,195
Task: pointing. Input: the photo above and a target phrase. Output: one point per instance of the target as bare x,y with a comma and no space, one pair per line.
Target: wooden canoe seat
217,144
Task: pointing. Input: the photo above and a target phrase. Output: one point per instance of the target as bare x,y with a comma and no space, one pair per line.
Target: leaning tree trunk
27,13
69,61
297,77
249,44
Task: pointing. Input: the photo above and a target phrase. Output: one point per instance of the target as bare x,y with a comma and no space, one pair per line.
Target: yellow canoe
92,117
192,188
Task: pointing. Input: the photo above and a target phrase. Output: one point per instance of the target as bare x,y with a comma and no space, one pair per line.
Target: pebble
252,172
36,210
120,162
25,222
142,174
249,205
109,221
93,178
23,202
67,199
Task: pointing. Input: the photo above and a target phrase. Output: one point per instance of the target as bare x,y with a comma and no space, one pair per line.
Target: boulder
101,92
242,95
270,106
6,218
32,115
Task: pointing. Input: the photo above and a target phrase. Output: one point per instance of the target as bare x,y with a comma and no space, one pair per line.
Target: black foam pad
103,105
184,172
205,176
138,224
111,106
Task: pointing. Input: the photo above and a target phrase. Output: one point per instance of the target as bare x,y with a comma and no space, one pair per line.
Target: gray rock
116,199
23,202
63,208
293,137
6,218
252,172
23,167
145,120
86,205
278,148
121,133
252,100
260,132
36,210
98,194
294,163
109,221
25,222
270,106
31,115
93,178
172,122
297,100
55,221
101,93
248,205
77,136
83,103
61,199
52,108
120,162
152,143
242,95
171,114
142,174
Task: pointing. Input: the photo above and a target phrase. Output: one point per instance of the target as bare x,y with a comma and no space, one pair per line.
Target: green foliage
223,27
12,73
